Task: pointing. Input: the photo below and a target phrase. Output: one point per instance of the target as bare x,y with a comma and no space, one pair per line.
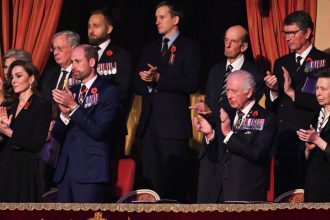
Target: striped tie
223,89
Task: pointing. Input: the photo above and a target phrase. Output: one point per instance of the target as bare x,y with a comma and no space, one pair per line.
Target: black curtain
205,21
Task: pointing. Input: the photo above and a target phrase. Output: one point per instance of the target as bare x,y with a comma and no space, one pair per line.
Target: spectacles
291,33
60,49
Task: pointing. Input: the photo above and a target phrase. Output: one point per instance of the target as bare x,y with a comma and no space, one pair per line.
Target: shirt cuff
64,119
228,136
272,98
211,138
73,110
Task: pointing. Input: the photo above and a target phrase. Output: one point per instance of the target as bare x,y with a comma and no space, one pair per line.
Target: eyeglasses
59,49
291,33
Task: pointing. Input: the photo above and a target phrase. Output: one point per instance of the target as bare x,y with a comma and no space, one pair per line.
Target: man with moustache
170,68
114,65
235,45
56,77
87,112
292,98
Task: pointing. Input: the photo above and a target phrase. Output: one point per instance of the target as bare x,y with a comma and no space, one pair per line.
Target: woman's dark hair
30,69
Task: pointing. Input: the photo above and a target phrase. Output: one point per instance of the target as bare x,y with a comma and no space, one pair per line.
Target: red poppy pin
172,57
173,49
27,105
94,90
308,59
109,53
255,113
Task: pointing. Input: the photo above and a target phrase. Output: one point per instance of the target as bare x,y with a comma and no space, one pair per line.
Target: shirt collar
90,82
247,108
237,64
304,54
172,38
68,69
103,46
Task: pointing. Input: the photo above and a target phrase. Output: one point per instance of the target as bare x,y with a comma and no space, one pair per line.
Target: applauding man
87,111
242,149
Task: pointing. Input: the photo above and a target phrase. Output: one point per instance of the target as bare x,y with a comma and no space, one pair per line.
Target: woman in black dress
317,139
25,127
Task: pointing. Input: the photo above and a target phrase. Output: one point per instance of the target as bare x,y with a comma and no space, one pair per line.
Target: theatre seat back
141,195
125,177
292,196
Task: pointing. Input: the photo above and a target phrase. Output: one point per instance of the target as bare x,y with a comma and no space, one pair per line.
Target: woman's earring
30,86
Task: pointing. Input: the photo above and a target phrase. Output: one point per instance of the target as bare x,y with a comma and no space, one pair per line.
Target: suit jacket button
226,165
227,151
282,105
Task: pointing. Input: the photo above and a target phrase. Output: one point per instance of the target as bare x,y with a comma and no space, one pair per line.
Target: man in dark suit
114,65
87,112
241,152
236,44
170,68
292,98
56,77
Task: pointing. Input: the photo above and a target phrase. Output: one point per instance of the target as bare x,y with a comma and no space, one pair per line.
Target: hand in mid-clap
65,100
308,136
5,121
149,75
287,83
271,81
201,107
202,125
225,122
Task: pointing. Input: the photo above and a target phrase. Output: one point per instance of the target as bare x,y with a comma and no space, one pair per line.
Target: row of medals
107,68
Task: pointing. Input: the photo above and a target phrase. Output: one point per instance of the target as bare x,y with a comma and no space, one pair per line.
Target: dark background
205,21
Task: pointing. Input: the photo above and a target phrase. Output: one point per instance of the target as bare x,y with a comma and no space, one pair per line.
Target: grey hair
247,78
18,54
72,37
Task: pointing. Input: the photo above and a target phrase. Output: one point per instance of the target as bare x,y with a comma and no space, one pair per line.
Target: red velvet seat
125,177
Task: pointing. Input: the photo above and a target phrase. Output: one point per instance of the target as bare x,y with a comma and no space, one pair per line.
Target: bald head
236,42
240,31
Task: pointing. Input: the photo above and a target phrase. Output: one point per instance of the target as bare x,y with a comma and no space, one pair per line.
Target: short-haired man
242,149
114,65
170,68
87,112
292,98
236,44
56,77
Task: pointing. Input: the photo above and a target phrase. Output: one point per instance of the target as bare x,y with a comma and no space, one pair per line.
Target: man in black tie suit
241,150
114,65
292,98
168,77
236,44
56,77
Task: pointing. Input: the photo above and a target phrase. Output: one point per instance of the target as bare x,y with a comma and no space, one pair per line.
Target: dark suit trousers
164,165
70,190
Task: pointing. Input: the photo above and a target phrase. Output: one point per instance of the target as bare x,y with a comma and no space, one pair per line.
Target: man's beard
97,41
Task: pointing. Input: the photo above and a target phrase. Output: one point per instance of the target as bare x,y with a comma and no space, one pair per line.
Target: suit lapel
105,58
164,61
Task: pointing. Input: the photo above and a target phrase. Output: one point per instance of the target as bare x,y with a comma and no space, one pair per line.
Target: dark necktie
298,59
224,88
97,48
165,46
238,123
61,83
83,91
